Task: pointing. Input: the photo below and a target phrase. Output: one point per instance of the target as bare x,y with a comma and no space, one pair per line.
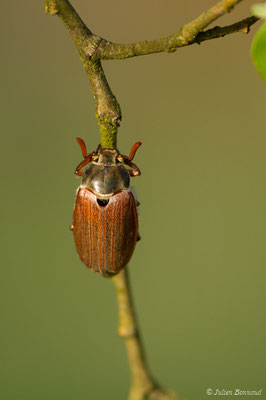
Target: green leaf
258,51
259,10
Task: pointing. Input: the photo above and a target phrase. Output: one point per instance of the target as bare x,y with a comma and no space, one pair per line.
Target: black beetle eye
102,203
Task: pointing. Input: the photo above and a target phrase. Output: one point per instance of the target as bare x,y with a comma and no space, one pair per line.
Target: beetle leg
138,237
87,159
128,160
133,150
71,227
135,171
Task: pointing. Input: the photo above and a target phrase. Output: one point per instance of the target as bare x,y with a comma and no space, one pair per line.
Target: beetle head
107,157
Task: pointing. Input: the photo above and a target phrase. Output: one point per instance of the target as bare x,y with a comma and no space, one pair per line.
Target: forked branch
92,49
185,37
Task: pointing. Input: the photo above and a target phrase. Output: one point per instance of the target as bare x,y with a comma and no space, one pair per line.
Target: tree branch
169,44
108,113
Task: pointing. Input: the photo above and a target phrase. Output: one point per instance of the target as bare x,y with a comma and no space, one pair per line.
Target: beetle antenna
82,146
133,150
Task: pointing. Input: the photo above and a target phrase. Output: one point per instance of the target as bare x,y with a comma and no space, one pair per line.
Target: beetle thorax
106,175
107,157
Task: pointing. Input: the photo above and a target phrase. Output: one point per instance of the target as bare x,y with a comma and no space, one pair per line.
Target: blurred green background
198,273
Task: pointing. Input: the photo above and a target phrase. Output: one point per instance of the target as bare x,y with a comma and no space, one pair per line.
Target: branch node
186,35
171,48
245,30
92,45
126,332
50,7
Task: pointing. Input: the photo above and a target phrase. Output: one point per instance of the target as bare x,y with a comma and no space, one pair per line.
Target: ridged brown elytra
105,220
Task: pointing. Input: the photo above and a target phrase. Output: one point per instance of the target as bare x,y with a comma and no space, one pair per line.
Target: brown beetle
105,221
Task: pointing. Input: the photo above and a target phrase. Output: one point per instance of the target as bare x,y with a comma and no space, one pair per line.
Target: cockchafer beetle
105,221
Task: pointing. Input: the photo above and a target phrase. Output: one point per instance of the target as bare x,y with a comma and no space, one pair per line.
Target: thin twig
242,26
143,384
